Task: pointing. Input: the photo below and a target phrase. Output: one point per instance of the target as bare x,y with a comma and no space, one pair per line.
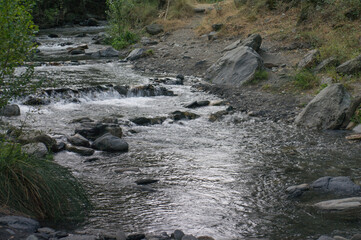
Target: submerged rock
178,115
327,110
10,110
236,67
92,131
110,143
79,140
345,204
80,150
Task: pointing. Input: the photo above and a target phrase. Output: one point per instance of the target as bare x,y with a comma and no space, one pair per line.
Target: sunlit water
225,179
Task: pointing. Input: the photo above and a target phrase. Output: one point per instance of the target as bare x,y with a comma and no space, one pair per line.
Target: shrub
259,75
305,80
38,187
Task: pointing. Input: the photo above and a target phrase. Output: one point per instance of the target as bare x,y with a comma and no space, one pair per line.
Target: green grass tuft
38,187
305,80
259,76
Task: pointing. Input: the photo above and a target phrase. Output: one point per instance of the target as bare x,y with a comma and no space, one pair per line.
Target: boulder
136,54
106,53
91,130
178,234
78,140
332,61
345,204
10,110
92,22
309,60
110,143
154,29
350,67
197,104
147,41
49,142
148,121
77,52
38,150
232,46
341,186
236,67
254,41
327,110
80,150
178,115
20,223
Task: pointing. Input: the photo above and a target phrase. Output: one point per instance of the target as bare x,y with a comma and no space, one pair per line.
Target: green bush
38,187
124,40
305,80
259,76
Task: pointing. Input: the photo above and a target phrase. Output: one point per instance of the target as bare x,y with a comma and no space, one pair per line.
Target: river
225,179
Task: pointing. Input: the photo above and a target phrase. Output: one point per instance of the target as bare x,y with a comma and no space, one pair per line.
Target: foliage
16,45
259,76
39,187
357,116
305,80
125,39
180,9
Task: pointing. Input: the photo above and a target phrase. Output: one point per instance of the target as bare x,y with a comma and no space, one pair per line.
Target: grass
305,80
356,118
39,188
259,76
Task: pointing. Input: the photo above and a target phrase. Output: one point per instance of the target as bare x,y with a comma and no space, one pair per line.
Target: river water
225,179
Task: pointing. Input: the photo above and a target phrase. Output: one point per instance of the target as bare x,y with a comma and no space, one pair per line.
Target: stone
341,186
254,41
357,128
53,35
38,150
32,237
354,137
91,130
345,204
232,46
144,121
106,53
189,237
49,142
309,60
327,110
178,115
236,67
136,54
20,223
332,61
146,181
199,10
178,234
79,237
350,67
110,143
122,90
149,90
80,150
297,191
92,22
147,41
46,230
154,29
120,235
77,52
79,140
355,104
197,104
10,111
218,115
324,237
35,101
356,237
216,27
205,238
136,236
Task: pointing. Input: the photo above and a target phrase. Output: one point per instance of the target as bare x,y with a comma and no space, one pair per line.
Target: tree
16,46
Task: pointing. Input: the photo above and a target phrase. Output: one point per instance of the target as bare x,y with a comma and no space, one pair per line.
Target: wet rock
309,60
49,142
80,150
38,150
218,115
79,237
80,48
92,22
327,110
35,101
136,236
81,35
79,140
324,237
10,110
149,90
350,67
205,238
178,234
197,104
178,115
136,54
106,53
122,90
180,77
216,27
148,121
60,146
297,191
236,67
91,130
332,61
146,181
110,143
341,186
53,35
354,137
77,52
20,223
154,29
88,160
189,237
345,204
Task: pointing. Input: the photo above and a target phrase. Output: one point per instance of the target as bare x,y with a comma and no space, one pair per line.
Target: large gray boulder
309,60
154,29
106,53
341,186
327,110
350,67
38,150
254,41
20,223
136,54
79,140
10,110
83,151
236,67
110,143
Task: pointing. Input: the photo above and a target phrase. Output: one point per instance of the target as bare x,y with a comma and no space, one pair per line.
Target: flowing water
225,179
